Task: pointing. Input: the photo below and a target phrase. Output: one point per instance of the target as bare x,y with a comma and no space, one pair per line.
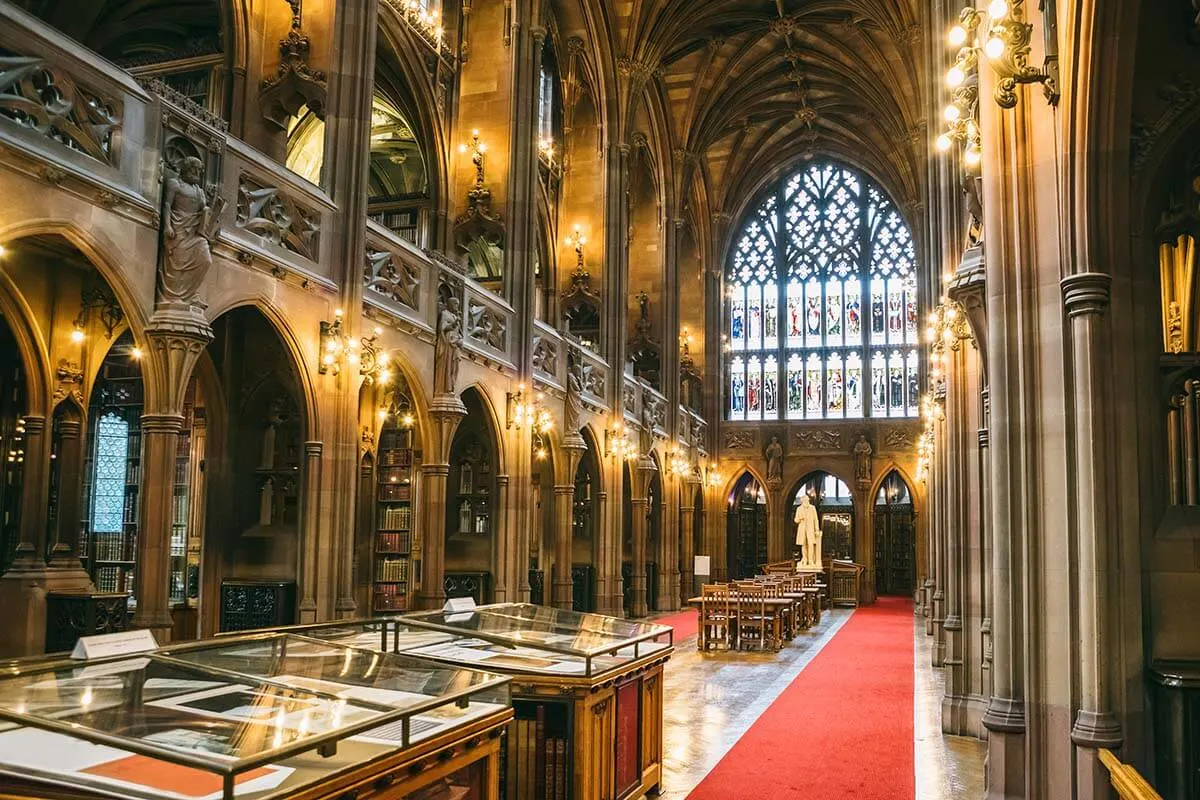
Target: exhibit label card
703,565
114,644
459,605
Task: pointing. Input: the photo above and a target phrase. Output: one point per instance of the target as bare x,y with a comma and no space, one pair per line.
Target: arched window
822,301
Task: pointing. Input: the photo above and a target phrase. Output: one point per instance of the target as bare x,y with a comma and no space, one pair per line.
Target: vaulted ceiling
752,86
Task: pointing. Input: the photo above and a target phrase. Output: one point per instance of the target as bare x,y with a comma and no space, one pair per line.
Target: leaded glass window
109,473
821,312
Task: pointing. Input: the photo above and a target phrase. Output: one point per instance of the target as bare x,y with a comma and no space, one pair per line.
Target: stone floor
712,699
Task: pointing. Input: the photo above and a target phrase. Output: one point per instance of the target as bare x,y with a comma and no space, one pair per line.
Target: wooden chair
717,616
755,621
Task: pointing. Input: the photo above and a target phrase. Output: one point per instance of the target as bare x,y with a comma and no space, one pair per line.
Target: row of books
400,542
391,598
391,569
396,458
114,579
396,518
395,474
113,547
395,492
536,765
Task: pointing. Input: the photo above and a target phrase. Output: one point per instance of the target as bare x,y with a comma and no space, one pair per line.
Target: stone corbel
295,84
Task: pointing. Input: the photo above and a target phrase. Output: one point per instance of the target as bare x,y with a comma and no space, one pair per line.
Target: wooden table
774,604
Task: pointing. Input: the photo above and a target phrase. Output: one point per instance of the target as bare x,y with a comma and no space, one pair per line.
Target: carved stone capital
1086,293
1004,715
1095,729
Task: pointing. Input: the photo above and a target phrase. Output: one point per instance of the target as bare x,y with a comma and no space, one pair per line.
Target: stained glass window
108,476
822,306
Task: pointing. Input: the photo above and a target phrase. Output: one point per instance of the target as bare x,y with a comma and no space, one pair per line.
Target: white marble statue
808,532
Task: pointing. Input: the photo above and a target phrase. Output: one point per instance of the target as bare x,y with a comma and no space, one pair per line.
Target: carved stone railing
487,320
692,431
592,372
277,216
73,117
398,278
549,356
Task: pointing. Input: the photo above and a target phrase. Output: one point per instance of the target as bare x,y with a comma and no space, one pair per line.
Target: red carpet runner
843,730
685,623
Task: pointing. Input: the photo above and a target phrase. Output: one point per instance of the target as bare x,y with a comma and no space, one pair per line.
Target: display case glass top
256,717
512,638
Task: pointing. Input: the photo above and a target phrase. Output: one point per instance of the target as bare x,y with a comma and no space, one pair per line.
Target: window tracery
821,313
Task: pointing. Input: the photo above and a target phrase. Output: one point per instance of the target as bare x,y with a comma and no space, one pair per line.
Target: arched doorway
895,537
12,411
471,503
256,425
584,542
835,507
746,527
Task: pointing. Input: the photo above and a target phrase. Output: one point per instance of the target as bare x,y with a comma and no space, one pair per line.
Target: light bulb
997,9
407,420
958,36
972,156
955,77
2,251
952,113
943,142
136,353
384,358
337,312
994,47
77,335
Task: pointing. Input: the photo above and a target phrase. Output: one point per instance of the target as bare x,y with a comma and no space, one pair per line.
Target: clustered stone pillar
446,413
687,522
641,519
65,553
309,531
35,489
1086,298
562,587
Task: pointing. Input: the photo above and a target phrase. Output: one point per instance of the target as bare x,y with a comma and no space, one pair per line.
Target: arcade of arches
319,310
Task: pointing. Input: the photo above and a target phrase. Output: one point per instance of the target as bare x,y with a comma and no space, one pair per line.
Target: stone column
445,414
23,587
65,553
668,546
1086,299
940,534
608,563
985,571
500,537
177,338
954,474
309,531
687,522
574,447
641,510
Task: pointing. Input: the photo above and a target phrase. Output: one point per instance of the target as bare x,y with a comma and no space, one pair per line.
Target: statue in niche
862,461
1174,328
266,502
190,225
447,347
808,532
574,403
274,420
774,463
647,433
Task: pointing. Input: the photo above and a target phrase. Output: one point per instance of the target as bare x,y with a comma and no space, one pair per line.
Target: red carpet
686,623
843,730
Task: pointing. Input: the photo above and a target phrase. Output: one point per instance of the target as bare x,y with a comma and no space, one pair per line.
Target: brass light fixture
533,415
1008,48
618,443
333,345
962,113
712,475
678,462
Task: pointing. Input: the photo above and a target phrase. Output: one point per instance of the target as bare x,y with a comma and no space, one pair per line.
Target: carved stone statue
1174,326
808,532
774,462
647,436
447,347
862,461
189,227
574,402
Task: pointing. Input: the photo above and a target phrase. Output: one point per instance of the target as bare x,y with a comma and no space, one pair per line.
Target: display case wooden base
462,764
614,744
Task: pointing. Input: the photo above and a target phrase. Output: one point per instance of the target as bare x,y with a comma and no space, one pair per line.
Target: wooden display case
587,691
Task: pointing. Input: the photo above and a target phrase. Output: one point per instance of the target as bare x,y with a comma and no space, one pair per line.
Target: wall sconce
546,150
477,149
398,405
1007,48
962,113
373,362
100,300
577,240
523,414
333,345
619,444
678,462
712,475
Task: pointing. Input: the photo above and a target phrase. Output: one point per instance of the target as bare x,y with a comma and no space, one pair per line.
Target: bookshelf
472,509
181,501
394,520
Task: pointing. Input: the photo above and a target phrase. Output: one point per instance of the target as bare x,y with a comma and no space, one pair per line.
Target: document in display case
579,681
259,716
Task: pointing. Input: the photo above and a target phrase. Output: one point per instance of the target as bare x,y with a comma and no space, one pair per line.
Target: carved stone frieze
741,440
487,326
274,216
70,380
817,440
899,439
47,100
629,399
396,280
545,355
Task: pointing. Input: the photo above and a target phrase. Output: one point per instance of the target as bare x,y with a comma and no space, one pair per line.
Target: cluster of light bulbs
713,476
678,462
619,443
546,149
428,21
947,326
531,415
404,418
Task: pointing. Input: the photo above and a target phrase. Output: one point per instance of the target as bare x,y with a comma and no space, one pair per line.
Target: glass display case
587,689
258,716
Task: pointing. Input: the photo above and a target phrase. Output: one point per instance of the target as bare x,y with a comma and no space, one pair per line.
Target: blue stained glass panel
109,474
